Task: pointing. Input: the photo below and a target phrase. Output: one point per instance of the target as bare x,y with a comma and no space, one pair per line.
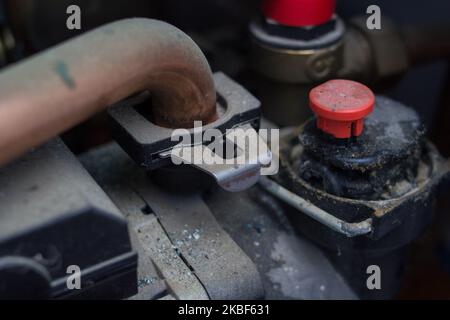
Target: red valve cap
299,13
340,107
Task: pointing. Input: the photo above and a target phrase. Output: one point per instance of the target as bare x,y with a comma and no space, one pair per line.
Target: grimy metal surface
63,86
161,271
217,261
289,266
188,247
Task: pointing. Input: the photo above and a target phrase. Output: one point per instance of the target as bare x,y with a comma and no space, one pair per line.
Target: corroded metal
63,86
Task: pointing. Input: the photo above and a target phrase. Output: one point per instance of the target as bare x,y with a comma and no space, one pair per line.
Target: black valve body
381,163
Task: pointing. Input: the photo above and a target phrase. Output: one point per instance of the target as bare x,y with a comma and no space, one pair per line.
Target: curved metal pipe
59,88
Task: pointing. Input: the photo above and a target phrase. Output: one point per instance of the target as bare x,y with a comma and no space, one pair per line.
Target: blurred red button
299,13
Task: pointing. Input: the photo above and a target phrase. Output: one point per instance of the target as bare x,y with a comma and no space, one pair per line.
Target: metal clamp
327,219
152,146
231,174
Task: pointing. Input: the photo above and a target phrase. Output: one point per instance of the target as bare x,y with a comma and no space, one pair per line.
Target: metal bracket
144,141
152,146
235,174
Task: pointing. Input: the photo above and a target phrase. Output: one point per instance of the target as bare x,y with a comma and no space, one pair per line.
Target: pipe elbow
53,91
165,61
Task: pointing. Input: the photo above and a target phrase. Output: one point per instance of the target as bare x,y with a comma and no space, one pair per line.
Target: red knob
340,107
299,13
